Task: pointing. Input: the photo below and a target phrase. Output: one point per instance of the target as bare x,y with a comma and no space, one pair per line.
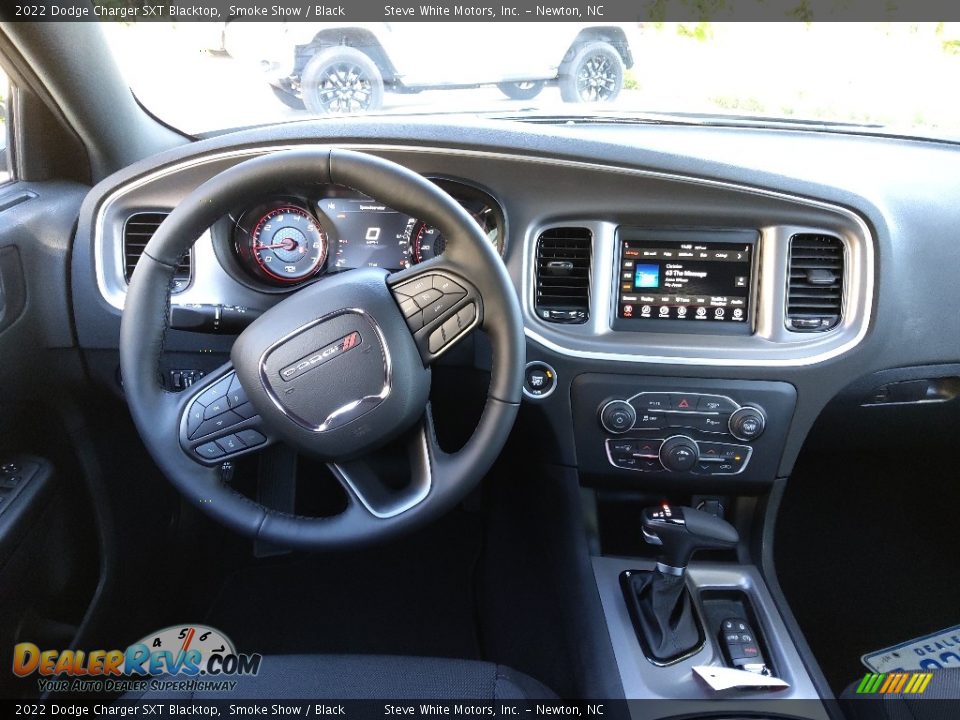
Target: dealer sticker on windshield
931,652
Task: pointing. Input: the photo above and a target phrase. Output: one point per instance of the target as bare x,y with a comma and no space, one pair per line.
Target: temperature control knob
747,423
679,453
617,416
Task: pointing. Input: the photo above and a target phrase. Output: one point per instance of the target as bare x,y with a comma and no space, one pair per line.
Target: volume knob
617,416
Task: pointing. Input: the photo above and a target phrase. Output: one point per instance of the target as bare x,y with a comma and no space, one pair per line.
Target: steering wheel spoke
395,478
440,306
217,421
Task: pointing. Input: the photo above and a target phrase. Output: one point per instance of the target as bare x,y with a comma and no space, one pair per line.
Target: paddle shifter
659,602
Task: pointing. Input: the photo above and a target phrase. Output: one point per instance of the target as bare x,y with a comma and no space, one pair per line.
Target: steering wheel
339,370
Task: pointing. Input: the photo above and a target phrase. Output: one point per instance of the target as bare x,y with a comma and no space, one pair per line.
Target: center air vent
137,232
815,284
563,275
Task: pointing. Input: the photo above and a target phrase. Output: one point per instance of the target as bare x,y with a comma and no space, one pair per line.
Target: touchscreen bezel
695,235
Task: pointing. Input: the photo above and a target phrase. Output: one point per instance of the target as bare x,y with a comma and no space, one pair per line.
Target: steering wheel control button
230,443
617,416
221,422
245,411
217,407
447,286
210,451
426,297
408,307
467,314
236,396
194,418
415,321
251,438
436,340
539,380
217,391
415,287
437,308
747,423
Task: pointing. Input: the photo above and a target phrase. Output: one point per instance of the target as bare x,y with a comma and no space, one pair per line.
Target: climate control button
679,453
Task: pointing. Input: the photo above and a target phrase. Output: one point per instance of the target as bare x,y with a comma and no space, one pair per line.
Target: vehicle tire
288,98
341,80
523,90
595,74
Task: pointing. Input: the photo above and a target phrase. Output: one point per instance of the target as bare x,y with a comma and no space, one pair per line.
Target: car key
740,646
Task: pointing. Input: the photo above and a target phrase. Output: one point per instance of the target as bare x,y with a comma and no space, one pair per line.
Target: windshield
207,76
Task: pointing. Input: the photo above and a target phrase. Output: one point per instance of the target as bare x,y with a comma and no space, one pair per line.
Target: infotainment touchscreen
692,277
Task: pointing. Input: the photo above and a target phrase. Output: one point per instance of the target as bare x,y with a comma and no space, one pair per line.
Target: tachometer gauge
287,245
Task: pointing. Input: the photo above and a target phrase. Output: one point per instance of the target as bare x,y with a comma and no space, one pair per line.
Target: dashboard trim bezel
796,351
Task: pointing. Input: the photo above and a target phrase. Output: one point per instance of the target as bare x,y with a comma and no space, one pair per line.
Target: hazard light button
683,402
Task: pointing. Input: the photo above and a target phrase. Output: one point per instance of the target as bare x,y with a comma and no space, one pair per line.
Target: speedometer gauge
426,241
287,245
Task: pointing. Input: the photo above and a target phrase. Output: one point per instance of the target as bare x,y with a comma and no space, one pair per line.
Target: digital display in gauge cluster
691,277
368,233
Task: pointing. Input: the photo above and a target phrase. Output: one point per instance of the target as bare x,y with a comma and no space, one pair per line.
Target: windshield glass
206,76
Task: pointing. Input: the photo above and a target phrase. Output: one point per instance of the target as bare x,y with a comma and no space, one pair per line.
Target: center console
700,432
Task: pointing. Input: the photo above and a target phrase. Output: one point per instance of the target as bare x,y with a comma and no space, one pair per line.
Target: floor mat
866,553
411,597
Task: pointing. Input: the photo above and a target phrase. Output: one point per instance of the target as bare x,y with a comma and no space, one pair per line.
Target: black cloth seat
367,677
940,701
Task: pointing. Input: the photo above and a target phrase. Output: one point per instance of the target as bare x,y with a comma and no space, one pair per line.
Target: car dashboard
692,298
709,284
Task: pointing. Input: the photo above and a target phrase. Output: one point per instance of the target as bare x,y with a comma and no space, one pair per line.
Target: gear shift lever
681,532
661,607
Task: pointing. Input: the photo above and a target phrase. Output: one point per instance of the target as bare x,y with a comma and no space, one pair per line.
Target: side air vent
137,232
815,284
563,275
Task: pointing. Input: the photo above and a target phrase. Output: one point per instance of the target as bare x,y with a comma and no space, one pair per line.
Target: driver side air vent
137,232
563,275
815,283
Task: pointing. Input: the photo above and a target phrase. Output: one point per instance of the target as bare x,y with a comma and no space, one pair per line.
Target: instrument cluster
283,242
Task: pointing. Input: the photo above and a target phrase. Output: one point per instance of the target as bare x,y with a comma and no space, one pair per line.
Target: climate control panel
690,428
678,453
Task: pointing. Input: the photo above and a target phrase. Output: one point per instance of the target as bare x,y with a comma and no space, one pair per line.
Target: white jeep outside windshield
208,76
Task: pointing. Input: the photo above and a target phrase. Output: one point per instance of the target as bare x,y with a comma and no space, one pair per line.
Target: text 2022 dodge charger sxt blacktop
479,404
